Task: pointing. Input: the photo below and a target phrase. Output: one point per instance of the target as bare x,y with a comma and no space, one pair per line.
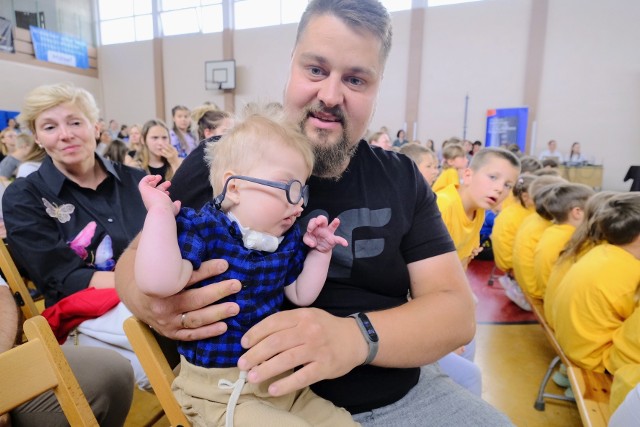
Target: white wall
17,79
184,82
126,77
591,83
477,49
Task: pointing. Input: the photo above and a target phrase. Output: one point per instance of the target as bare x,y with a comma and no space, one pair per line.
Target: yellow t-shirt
464,231
558,271
447,177
624,380
626,343
510,200
547,250
524,245
592,302
504,231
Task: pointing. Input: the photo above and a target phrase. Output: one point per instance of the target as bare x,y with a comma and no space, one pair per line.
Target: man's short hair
359,15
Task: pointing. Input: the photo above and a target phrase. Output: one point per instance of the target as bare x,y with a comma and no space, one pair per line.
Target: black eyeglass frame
304,189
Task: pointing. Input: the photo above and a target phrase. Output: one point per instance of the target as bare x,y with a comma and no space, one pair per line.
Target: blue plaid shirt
210,234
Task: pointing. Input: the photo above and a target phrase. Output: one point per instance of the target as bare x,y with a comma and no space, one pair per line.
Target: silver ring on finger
183,321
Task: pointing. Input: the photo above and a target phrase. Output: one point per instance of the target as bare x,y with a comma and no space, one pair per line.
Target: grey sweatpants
435,401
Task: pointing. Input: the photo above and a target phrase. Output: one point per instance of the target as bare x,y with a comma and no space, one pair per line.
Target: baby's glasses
294,189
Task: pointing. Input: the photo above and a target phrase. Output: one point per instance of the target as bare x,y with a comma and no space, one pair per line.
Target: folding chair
16,284
37,366
156,367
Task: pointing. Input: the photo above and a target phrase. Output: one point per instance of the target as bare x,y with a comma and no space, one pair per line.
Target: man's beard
330,158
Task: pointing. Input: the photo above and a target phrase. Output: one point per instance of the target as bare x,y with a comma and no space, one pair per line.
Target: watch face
373,336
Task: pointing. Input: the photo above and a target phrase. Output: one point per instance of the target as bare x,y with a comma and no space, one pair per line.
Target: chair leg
492,275
539,403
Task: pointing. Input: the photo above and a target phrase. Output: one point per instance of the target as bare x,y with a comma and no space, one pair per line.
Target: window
263,13
125,21
190,16
396,5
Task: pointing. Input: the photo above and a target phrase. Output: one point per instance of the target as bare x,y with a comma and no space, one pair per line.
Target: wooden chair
16,284
592,391
37,366
156,367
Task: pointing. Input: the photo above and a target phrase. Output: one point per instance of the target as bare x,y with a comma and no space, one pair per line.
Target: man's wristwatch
369,334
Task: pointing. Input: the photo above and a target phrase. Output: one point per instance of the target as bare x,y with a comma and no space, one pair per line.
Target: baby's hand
154,195
321,236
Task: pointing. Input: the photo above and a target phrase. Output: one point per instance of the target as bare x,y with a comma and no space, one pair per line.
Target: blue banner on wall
507,126
59,48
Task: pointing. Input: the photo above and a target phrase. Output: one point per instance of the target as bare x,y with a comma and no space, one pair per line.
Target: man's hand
202,316
326,345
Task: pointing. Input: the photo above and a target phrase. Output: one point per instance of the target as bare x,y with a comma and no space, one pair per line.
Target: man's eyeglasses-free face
294,189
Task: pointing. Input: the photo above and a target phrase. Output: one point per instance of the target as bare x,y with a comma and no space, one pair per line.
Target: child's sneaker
569,393
514,293
560,379
505,282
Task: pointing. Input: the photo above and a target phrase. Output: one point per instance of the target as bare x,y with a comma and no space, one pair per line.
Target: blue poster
507,126
59,48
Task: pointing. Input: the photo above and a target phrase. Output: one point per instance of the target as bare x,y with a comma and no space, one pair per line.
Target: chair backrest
38,366
156,367
16,283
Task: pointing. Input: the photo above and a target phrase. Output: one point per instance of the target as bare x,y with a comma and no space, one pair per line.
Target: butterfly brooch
62,213
103,257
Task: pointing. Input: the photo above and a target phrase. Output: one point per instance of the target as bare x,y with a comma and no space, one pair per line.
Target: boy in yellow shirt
454,161
566,204
485,184
424,158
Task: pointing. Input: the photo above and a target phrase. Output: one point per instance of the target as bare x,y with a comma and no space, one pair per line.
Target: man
397,244
105,377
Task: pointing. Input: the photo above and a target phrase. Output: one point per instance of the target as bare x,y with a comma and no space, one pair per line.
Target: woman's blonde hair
252,136
3,147
46,97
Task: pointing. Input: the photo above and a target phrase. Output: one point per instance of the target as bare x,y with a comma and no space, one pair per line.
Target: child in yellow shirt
526,239
599,293
454,161
508,221
583,239
566,204
424,158
485,184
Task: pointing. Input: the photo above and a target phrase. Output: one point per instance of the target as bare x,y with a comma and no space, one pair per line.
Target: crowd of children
580,252
576,249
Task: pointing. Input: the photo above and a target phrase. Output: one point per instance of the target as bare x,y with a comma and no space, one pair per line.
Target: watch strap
368,333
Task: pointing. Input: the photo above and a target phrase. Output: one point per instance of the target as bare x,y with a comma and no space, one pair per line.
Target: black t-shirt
162,171
390,218
191,183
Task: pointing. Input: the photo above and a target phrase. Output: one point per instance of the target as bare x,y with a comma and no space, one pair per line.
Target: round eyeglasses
294,189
